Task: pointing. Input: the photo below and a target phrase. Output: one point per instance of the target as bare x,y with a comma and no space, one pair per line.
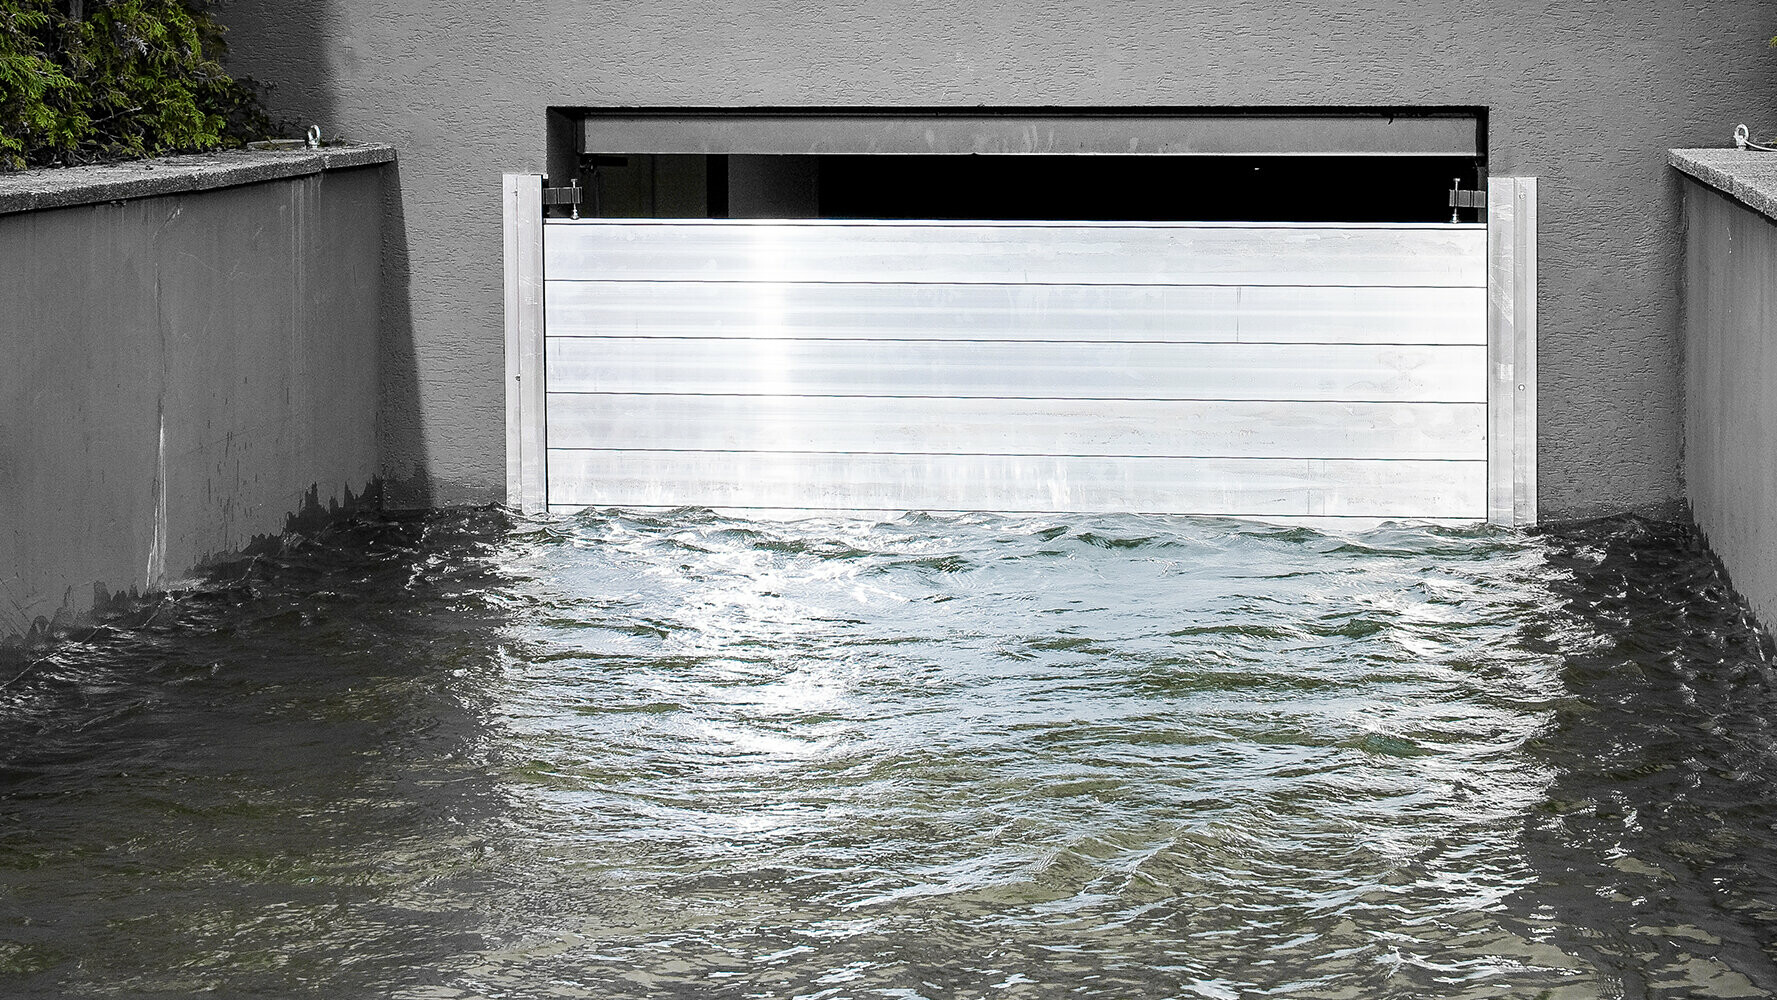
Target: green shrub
113,79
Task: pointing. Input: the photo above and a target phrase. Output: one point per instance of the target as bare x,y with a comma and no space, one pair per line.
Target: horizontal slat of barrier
1019,426
1014,483
1046,370
1052,254
1321,522
1137,313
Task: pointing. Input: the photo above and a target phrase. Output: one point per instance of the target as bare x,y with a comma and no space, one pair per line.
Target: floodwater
470,755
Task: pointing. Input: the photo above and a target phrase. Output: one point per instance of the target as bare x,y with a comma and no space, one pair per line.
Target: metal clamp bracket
1461,198
569,195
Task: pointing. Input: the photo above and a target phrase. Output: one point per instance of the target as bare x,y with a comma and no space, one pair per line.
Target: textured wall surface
1730,425
180,372
1585,96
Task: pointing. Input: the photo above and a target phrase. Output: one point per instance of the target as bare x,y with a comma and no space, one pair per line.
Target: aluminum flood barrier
1258,370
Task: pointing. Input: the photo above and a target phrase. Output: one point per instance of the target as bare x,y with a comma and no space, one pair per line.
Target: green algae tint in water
685,755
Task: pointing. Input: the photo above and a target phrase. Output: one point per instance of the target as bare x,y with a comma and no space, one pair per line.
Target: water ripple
639,754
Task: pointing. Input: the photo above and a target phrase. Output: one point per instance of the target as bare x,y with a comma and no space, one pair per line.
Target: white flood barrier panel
1281,370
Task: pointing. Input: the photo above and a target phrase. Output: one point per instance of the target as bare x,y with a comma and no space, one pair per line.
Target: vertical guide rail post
1511,351
526,475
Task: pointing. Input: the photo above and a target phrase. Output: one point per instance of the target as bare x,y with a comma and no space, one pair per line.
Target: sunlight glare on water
683,754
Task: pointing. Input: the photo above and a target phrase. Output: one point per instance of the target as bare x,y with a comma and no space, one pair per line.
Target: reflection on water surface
688,755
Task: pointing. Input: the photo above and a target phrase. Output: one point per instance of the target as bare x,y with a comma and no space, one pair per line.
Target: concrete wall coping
1748,176
34,190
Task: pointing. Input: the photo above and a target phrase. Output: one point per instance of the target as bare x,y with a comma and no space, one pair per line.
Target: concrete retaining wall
181,370
1730,354
1585,96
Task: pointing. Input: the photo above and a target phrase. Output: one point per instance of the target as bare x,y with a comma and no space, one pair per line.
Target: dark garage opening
1179,164
1132,188
1027,187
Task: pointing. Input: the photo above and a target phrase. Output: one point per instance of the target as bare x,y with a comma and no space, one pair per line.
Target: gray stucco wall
180,371
1730,421
1585,96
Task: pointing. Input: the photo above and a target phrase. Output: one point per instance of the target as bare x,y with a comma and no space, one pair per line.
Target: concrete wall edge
1747,176
1730,419
36,190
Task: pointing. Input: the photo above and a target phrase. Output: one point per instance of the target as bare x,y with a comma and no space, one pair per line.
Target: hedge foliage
115,79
